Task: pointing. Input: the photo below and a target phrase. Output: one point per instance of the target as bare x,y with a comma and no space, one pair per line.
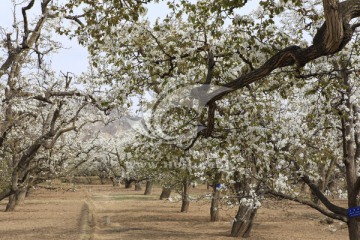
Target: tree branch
76,19
332,207
332,37
210,68
26,26
334,33
310,204
5,193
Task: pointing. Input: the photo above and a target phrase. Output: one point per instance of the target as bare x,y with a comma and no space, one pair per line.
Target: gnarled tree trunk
243,222
11,204
244,218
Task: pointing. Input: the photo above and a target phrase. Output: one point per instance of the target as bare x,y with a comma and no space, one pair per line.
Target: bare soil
106,212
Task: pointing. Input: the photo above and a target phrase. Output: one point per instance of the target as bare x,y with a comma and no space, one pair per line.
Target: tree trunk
214,209
351,152
185,196
138,186
354,229
148,189
353,223
20,196
243,222
11,204
166,192
12,198
28,192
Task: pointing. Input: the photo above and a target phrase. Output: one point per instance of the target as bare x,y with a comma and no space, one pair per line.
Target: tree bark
214,209
243,222
166,192
334,33
10,207
185,196
354,229
331,37
14,186
351,152
20,196
6,193
148,189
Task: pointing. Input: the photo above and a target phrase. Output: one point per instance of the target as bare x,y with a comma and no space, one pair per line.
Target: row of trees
298,125
260,103
44,113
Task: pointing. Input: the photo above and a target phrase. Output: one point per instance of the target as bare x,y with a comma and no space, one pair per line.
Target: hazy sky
74,57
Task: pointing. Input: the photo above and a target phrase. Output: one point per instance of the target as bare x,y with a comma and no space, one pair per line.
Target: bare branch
199,49
332,207
26,25
245,60
55,116
310,204
76,19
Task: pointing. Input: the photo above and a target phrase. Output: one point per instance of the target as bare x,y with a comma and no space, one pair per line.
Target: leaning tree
39,106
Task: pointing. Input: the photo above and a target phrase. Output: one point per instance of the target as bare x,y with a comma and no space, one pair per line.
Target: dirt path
104,212
134,216
45,215
87,222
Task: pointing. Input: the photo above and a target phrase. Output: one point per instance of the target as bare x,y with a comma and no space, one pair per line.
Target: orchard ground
106,212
